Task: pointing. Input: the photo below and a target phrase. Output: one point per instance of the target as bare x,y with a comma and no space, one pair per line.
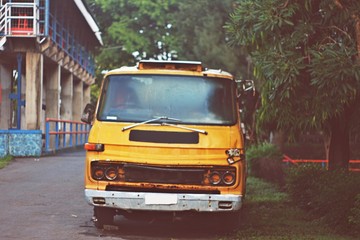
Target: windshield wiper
165,124
150,121
186,128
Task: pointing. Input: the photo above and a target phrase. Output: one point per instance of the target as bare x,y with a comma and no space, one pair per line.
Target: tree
166,29
133,30
200,35
307,54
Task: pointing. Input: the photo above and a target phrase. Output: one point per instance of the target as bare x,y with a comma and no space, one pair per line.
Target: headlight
111,173
215,178
228,178
221,177
98,173
106,171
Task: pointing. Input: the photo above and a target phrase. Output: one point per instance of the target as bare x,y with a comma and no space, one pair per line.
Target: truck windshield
191,99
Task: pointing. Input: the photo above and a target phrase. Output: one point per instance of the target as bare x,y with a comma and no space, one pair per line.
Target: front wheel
103,216
231,220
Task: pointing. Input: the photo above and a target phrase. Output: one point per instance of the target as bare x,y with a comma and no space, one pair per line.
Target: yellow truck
166,137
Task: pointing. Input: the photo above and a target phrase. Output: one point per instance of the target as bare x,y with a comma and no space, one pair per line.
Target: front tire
231,220
103,216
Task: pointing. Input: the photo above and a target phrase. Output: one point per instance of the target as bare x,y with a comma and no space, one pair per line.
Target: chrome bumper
164,201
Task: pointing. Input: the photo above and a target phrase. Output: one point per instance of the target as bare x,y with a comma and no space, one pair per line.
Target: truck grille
111,171
160,190
136,173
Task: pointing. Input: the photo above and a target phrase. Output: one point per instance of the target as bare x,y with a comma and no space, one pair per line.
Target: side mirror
245,87
88,113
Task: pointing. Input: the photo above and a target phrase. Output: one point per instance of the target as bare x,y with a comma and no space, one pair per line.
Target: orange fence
354,165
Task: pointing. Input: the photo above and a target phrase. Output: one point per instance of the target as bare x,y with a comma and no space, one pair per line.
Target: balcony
34,19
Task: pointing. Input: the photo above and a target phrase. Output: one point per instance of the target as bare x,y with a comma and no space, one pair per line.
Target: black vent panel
164,137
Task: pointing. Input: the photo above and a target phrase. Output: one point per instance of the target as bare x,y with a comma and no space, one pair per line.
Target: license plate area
160,199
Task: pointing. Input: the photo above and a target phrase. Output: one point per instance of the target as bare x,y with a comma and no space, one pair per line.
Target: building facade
46,64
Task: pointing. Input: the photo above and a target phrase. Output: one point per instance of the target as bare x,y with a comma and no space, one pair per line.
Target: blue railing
67,41
61,134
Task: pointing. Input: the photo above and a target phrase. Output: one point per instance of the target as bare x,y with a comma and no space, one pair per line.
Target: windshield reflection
193,100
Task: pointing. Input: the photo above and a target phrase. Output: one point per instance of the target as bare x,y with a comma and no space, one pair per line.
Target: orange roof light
170,65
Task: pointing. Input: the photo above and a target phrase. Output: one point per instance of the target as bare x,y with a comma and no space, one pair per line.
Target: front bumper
164,201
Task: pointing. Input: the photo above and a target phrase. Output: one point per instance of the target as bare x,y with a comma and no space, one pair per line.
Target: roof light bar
171,65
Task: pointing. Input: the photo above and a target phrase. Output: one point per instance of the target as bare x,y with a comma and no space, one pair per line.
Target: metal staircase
19,19
3,24
32,19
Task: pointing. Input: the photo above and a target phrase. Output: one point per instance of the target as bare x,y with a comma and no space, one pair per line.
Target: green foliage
265,161
166,29
260,191
304,52
5,161
323,70
264,150
354,217
330,196
95,91
200,35
268,213
133,30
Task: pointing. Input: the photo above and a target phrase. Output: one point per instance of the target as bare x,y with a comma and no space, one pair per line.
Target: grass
268,214
5,161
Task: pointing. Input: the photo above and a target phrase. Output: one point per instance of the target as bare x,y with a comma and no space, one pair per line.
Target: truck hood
156,142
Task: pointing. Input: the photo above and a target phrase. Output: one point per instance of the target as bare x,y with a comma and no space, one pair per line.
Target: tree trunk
278,139
339,149
326,138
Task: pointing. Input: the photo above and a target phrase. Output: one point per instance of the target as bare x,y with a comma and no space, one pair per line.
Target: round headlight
228,178
215,178
111,173
98,173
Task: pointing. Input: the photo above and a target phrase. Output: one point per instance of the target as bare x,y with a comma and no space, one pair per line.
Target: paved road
43,199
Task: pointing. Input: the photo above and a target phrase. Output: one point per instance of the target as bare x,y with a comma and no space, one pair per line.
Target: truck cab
165,137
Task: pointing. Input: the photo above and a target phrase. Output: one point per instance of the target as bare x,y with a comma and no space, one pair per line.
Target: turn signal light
235,155
99,200
98,147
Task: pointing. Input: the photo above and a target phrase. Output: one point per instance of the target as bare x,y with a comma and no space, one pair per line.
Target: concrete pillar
5,90
53,88
78,99
33,100
66,96
66,100
87,94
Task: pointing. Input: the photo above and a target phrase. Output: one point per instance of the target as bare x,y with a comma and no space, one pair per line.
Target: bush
354,218
265,161
333,196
